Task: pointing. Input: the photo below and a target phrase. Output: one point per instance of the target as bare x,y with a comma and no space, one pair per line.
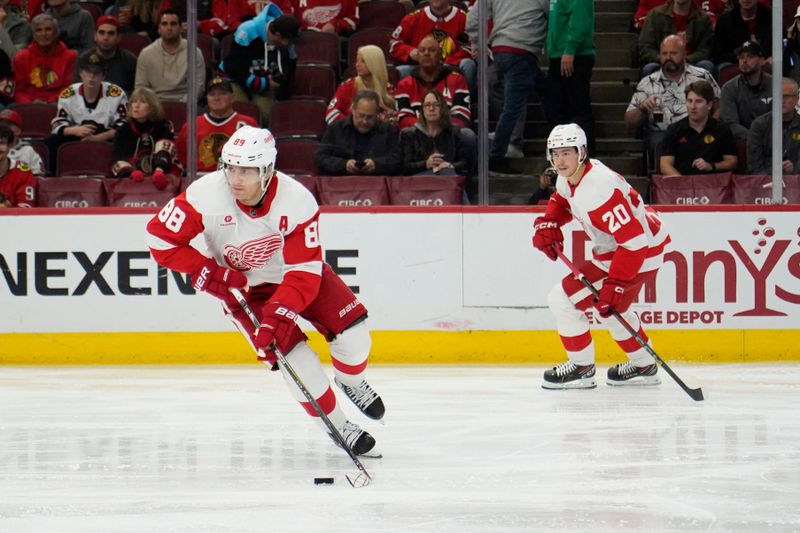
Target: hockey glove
610,297
137,175
160,179
216,280
547,234
277,324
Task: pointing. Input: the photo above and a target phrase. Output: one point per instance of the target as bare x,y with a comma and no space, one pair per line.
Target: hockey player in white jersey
628,247
261,229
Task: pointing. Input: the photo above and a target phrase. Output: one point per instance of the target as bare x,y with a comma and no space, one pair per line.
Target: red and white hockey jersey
110,111
314,14
446,30
274,243
211,136
627,235
18,186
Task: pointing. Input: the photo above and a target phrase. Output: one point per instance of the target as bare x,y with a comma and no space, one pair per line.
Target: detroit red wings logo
321,14
253,254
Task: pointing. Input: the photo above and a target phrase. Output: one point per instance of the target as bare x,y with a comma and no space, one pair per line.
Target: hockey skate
568,375
359,441
366,399
629,374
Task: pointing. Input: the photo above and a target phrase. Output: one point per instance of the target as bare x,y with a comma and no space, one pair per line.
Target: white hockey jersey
275,243
25,153
110,112
628,236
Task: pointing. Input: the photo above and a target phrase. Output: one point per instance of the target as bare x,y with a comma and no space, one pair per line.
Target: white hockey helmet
567,135
251,147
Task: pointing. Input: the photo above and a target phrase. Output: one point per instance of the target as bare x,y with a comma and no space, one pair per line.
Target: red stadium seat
727,73
749,189
129,193
380,14
318,48
353,190
426,190
176,113
741,156
36,118
133,42
70,192
699,189
296,156
313,81
248,108
298,118
378,36
93,8
86,158
310,183
44,152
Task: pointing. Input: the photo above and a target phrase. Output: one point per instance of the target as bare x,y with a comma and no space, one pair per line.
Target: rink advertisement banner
419,273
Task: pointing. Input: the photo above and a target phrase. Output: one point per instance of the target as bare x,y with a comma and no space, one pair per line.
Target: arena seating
426,190
313,81
380,14
362,191
296,156
36,117
298,118
377,36
696,189
129,193
70,192
134,42
86,158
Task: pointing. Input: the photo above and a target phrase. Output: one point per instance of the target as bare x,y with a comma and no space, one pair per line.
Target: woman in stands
434,145
371,73
145,145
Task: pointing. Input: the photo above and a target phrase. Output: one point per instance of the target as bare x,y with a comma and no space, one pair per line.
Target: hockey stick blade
694,394
360,479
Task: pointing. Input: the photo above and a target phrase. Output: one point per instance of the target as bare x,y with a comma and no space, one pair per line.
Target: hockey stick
694,394
357,480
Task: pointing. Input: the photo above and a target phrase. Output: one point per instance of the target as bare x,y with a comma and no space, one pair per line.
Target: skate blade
635,382
575,385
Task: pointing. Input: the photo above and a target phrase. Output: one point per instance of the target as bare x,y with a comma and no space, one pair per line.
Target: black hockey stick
694,394
358,480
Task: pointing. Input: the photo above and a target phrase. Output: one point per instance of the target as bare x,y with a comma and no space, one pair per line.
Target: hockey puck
323,481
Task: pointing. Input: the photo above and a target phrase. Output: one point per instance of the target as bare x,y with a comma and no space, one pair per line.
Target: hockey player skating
261,230
629,243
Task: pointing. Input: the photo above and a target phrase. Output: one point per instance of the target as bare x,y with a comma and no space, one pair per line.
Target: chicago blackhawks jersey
627,235
314,14
18,185
109,112
212,134
448,30
276,242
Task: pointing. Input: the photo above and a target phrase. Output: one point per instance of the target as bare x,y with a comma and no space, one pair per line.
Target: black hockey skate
359,441
366,399
629,374
568,375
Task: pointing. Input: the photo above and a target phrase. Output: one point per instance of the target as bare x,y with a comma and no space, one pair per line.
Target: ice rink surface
466,450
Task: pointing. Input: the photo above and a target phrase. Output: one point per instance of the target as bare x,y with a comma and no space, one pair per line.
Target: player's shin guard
349,354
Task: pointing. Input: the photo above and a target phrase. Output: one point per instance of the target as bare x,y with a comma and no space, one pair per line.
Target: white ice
478,449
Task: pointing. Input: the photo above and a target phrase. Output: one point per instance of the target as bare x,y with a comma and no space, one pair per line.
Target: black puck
323,481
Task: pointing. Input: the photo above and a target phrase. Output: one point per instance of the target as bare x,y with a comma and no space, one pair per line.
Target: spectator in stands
698,144
791,50
214,127
749,21
447,24
44,68
224,16
76,24
432,74
139,16
90,110
119,64
434,145
759,139
570,47
260,77
749,94
545,187
334,16
17,182
518,33
163,65
370,74
7,85
361,144
677,17
21,150
14,27
144,146
660,98
713,8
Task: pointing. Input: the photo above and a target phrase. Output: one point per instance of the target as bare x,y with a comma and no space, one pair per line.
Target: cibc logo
71,203
692,200
427,202
350,203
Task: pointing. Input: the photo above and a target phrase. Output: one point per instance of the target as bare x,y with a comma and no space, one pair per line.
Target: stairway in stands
614,79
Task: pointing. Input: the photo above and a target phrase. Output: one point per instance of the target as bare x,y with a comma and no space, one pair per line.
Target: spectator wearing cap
77,24
749,21
759,139
215,126
747,95
677,17
162,65
698,144
44,68
21,150
17,183
90,110
262,58
119,64
15,30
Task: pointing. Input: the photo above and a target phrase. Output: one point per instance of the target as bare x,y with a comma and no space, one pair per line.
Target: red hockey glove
160,180
137,175
216,280
277,324
610,297
547,234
